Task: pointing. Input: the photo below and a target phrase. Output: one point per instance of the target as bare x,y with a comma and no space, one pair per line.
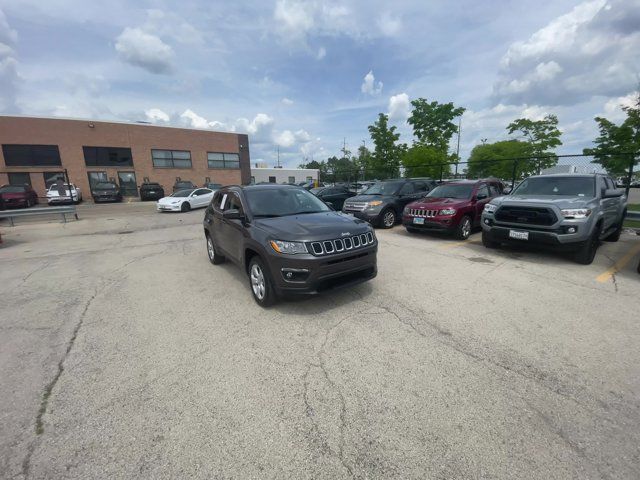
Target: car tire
29,204
463,230
487,242
185,207
587,252
388,218
260,283
615,236
214,256
412,230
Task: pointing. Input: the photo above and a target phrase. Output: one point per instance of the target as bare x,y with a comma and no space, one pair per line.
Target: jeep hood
311,226
432,202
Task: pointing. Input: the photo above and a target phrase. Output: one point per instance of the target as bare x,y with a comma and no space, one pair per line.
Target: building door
128,185
96,177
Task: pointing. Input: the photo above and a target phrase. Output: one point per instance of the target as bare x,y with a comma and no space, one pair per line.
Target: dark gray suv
288,241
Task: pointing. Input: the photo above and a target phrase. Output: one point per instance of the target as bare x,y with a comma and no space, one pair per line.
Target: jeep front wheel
463,230
260,283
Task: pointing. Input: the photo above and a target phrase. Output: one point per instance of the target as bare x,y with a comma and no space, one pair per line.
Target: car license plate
518,235
418,221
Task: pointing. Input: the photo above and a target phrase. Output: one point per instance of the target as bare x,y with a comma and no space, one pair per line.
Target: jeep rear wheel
587,252
214,256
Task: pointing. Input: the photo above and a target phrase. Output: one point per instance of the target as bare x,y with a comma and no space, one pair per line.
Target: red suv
453,207
18,196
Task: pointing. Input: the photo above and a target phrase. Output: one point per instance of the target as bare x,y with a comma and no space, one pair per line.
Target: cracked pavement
130,356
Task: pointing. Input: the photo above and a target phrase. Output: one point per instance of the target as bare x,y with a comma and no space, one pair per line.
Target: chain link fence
622,167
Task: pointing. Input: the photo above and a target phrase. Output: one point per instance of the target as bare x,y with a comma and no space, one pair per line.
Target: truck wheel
615,236
260,283
214,256
463,230
388,218
587,252
487,242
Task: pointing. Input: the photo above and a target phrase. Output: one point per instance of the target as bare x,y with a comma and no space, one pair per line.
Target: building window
223,160
19,179
31,155
107,157
292,179
171,158
52,177
309,179
272,179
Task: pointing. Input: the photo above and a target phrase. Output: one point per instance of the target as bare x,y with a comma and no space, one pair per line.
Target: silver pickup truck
567,212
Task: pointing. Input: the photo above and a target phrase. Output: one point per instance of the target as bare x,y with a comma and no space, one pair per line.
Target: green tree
341,169
542,135
433,124
385,161
618,146
497,160
426,161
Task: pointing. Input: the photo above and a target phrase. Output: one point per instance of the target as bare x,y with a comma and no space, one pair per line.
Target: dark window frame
225,166
96,156
9,174
15,154
172,159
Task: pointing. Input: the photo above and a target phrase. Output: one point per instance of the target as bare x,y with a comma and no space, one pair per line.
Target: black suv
151,191
334,196
106,192
383,202
287,240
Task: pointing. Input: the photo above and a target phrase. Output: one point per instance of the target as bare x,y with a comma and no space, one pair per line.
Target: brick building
36,151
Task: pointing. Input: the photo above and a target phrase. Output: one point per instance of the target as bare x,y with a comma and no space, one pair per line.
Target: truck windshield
566,186
451,191
280,202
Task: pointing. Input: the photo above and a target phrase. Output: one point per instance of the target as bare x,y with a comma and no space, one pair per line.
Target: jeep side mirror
232,214
481,196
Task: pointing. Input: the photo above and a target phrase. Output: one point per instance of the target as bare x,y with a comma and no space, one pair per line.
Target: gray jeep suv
287,240
567,212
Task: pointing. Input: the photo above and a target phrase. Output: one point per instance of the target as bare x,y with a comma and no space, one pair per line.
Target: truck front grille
526,215
418,212
355,206
340,245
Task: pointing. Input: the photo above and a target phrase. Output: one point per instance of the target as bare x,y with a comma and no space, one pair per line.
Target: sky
302,77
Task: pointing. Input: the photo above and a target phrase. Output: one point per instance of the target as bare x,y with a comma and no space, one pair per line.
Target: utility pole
484,141
458,148
278,150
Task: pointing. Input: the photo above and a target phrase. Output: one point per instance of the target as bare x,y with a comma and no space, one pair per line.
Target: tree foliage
618,146
433,124
497,160
385,161
426,161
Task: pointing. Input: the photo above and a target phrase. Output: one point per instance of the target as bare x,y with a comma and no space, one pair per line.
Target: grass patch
632,223
633,206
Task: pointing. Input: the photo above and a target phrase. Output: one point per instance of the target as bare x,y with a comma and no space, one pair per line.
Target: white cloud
590,51
302,136
322,52
369,86
285,139
399,107
169,24
294,19
8,67
136,47
389,25
155,115
287,101
194,120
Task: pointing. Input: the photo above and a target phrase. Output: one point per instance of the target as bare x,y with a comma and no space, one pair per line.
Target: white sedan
185,200
72,194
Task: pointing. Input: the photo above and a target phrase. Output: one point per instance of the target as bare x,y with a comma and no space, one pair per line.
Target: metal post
513,176
630,175
441,169
66,177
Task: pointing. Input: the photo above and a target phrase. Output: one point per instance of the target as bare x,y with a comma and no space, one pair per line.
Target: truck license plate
418,221
518,235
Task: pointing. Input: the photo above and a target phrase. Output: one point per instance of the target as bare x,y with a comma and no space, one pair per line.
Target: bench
28,212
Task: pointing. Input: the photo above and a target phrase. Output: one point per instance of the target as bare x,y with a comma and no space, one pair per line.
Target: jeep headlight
448,211
291,248
374,203
490,208
576,212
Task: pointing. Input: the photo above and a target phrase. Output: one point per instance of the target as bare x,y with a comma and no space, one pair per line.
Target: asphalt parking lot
126,354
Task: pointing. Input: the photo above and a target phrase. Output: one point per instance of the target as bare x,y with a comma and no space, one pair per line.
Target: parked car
383,202
151,191
566,212
454,207
18,196
288,241
308,185
72,194
185,200
106,192
183,185
333,196
213,186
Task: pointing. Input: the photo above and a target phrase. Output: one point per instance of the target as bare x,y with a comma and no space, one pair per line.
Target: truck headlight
576,212
448,211
375,203
490,208
291,248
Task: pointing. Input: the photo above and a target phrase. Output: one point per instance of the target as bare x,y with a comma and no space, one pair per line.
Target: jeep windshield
557,186
451,191
383,188
281,202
